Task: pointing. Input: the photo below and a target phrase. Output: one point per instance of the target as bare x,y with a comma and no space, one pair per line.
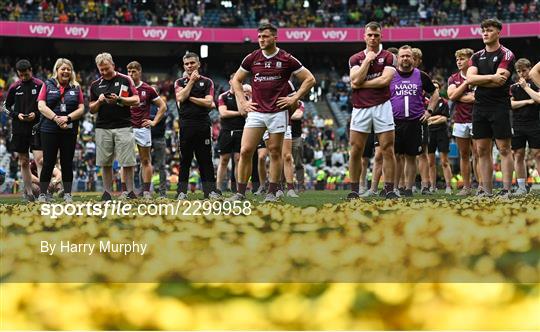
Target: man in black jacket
21,102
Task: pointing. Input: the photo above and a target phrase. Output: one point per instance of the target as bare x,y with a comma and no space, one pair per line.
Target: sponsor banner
228,35
321,35
113,32
402,34
460,32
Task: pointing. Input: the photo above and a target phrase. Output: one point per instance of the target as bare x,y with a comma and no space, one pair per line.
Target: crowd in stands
282,13
113,12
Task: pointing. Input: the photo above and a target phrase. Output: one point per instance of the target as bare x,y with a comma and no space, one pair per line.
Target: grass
308,198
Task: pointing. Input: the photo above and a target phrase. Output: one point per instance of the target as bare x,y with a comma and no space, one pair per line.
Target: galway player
525,103
461,93
271,68
422,159
140,120
490,70
371,72
230,135
439,141
534,74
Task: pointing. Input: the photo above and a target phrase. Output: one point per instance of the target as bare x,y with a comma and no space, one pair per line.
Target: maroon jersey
269,77
363,98
463,111
147,95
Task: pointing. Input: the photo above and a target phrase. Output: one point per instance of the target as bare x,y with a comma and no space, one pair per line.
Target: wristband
54,117
119,101
69,119
430,111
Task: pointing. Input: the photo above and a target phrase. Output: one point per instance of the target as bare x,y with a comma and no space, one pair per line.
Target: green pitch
308,198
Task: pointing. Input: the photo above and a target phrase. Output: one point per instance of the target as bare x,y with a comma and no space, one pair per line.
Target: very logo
155,33
189,34
476,31
298,34
40,29
334,34
77,31
446,32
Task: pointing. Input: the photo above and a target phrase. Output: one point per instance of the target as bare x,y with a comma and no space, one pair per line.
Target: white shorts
462,130
378,118
288,134
273,122
143,137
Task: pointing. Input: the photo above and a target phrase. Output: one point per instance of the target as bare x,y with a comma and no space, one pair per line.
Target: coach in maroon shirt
371,72
270,68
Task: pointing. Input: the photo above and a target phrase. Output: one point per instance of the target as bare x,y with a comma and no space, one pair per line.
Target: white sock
521,183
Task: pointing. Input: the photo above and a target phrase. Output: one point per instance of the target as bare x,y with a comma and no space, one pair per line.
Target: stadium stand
249,13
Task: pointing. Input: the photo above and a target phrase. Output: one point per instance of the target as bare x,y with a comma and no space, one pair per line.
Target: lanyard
62,93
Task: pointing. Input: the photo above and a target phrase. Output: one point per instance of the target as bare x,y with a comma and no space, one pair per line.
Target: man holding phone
21,102
111,97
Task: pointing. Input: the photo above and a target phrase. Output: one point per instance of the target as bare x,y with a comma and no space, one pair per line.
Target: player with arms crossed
461,93
271,68
371,72
490,70
230,134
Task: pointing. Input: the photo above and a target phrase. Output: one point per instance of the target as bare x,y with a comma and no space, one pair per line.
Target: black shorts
369,149
229,141
425,134
408,137
439,140
492,122
526,134
24,143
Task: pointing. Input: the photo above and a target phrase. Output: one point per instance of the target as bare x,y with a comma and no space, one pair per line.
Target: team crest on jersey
201,84
495,59
72,93
116,83
143,93
34,91
267,64
278,64
381,60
